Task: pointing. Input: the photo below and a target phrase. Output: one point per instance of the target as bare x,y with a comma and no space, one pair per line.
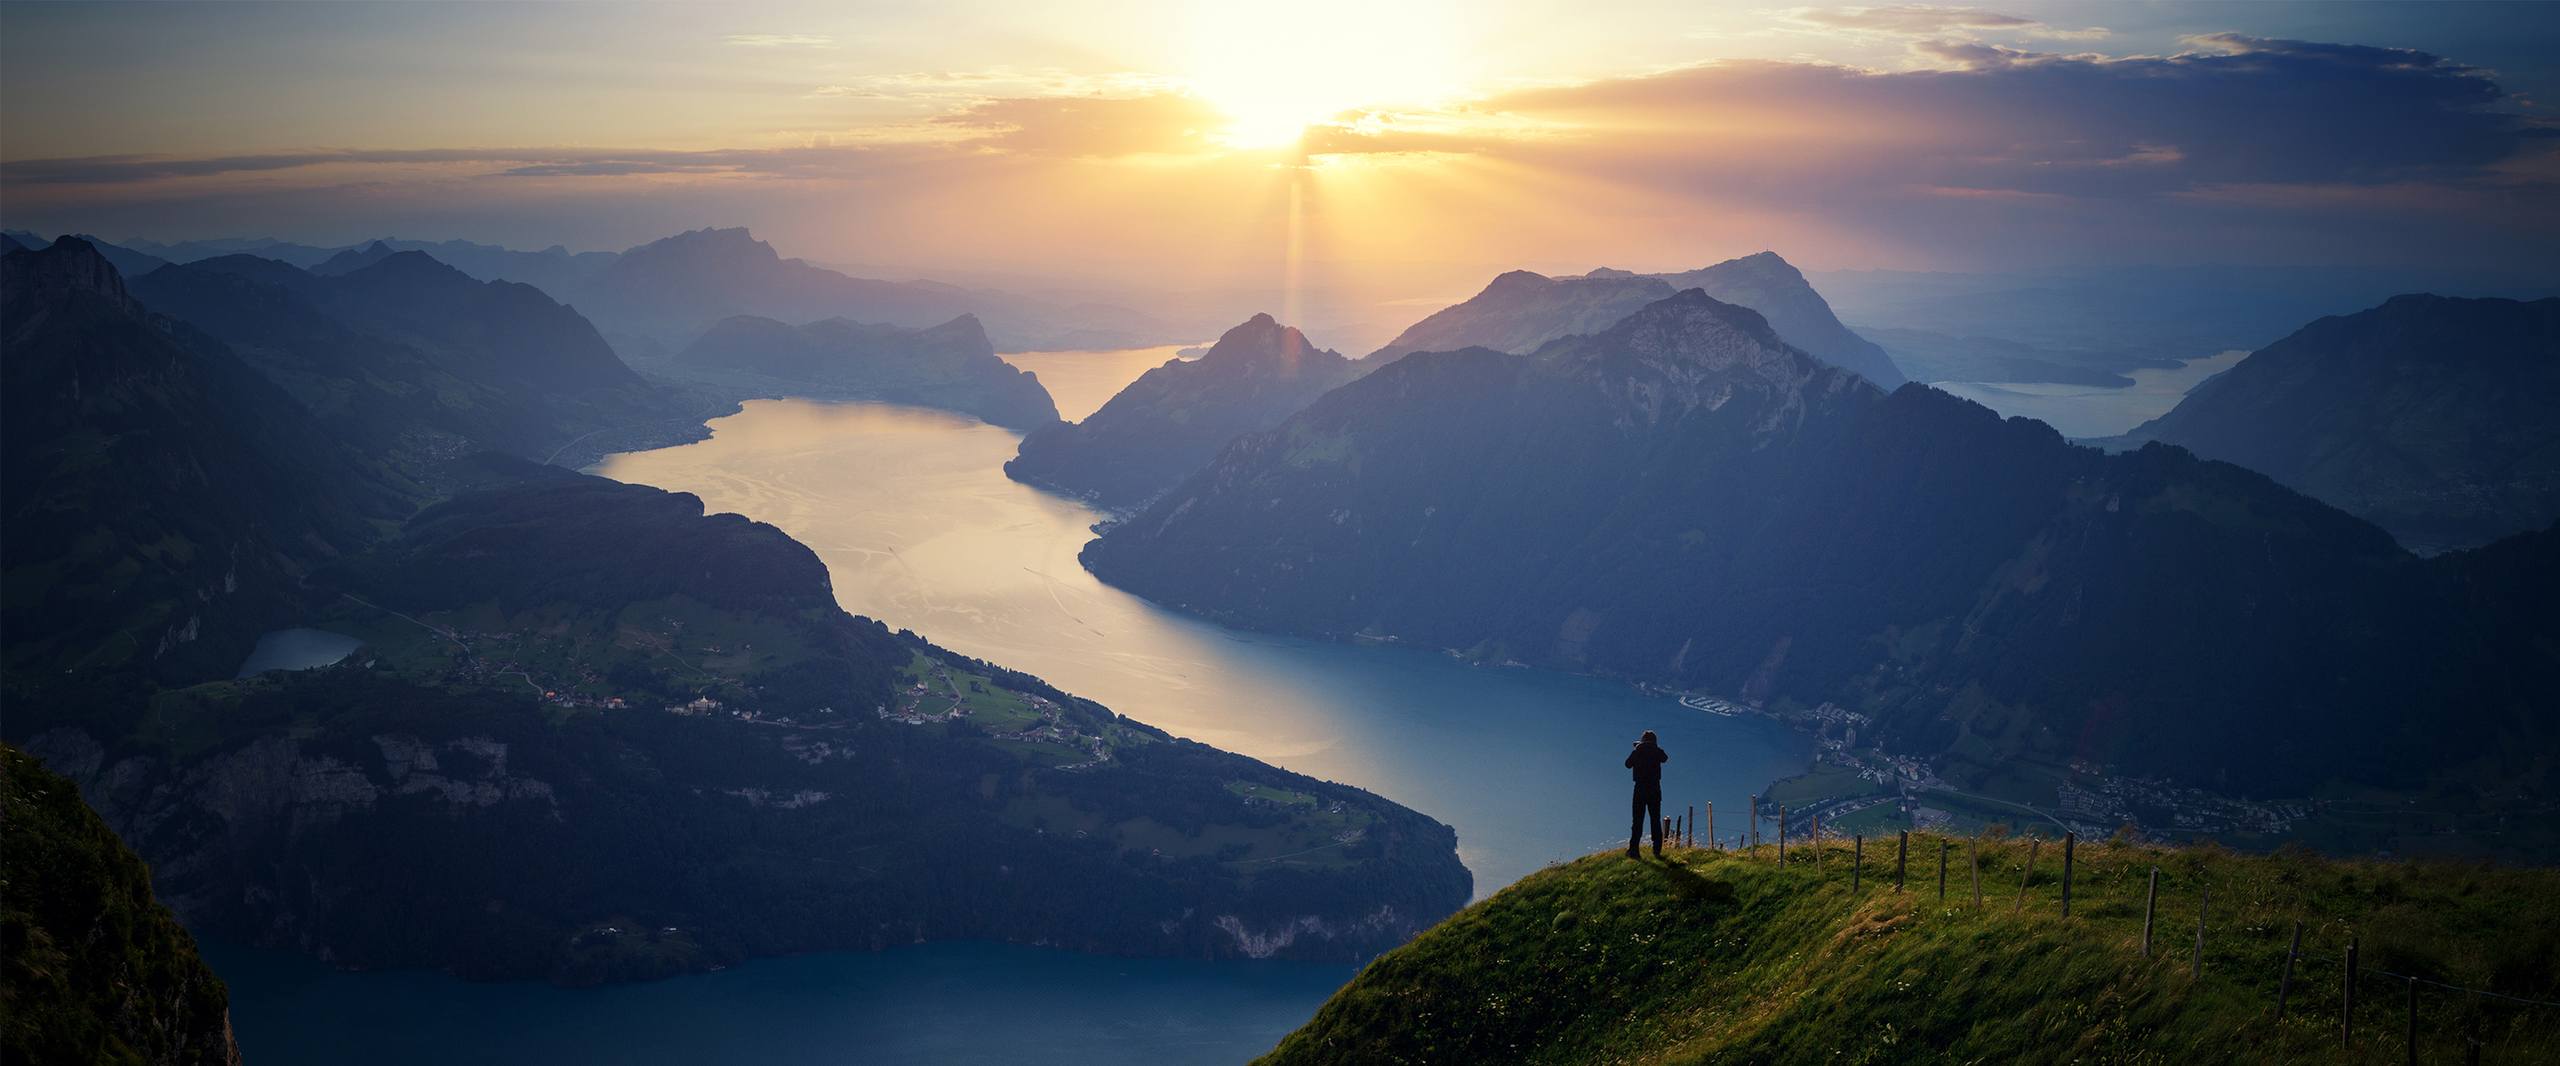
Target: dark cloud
2238,110
1917,19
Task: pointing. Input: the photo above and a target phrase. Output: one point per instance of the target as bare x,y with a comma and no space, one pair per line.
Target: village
1852,789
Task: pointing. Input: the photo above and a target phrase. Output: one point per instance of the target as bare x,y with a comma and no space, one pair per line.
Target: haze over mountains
654,298
412,356
1174,418
1685,499
2428,416
951,366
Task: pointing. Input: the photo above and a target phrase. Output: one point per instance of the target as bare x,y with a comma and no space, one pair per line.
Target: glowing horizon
1217,143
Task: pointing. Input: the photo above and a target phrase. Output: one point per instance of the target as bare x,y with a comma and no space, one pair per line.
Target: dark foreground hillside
1723,957
95,969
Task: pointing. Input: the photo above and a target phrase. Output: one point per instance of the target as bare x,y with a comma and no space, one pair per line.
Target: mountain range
655,298
1521,310
1173,419
418,361
951,365
162,496
1685,499
591,733
2428,416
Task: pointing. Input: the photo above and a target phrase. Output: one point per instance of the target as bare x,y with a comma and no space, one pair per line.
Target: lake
915,520
963,1003
2091,411
297,649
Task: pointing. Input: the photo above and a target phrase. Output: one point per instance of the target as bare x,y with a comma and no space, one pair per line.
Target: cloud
1094,126
780,40
796,161
2237,110
970,86
1930,20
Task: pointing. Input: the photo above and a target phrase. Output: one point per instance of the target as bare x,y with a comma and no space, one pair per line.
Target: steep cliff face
1174,418
97,971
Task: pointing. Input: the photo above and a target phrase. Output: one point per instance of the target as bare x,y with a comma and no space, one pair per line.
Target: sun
1274,70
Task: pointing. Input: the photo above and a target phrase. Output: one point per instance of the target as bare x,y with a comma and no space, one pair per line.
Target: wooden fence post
1690,822
2347,999
1857,860
2204,899
1751,837
2030,872
1711,826
1973,848
2471,1033
1782,834
1817,838
2150,905
2068,841
1901,851
2284,984
1942,869
2413,1022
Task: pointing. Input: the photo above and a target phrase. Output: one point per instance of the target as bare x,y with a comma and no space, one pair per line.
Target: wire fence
2453,1020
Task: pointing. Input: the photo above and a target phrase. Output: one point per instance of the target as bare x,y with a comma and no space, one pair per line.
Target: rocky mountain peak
67,265
1262,340
1691,351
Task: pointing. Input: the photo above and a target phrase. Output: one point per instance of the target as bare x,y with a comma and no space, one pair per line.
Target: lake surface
297,649
2090,411
1080,382
964,1004
912,513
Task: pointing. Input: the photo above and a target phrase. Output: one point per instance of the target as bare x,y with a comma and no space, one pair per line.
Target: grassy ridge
1718,957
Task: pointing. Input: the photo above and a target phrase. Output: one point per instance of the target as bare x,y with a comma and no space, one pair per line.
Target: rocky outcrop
96,969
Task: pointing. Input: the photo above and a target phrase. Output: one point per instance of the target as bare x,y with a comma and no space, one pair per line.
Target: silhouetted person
1647,762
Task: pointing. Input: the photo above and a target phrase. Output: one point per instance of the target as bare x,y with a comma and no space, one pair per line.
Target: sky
1412,142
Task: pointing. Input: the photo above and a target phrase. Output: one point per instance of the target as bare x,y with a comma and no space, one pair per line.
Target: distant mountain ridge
1521,310
654,298
2429,416
1685,501
1772,286
162,496
1173,419
412,356
951,365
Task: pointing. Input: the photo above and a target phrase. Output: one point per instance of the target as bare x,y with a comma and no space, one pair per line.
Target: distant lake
915,519
2091,411
1081,382
297,649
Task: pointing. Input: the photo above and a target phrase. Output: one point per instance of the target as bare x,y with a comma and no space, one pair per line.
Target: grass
1718,957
